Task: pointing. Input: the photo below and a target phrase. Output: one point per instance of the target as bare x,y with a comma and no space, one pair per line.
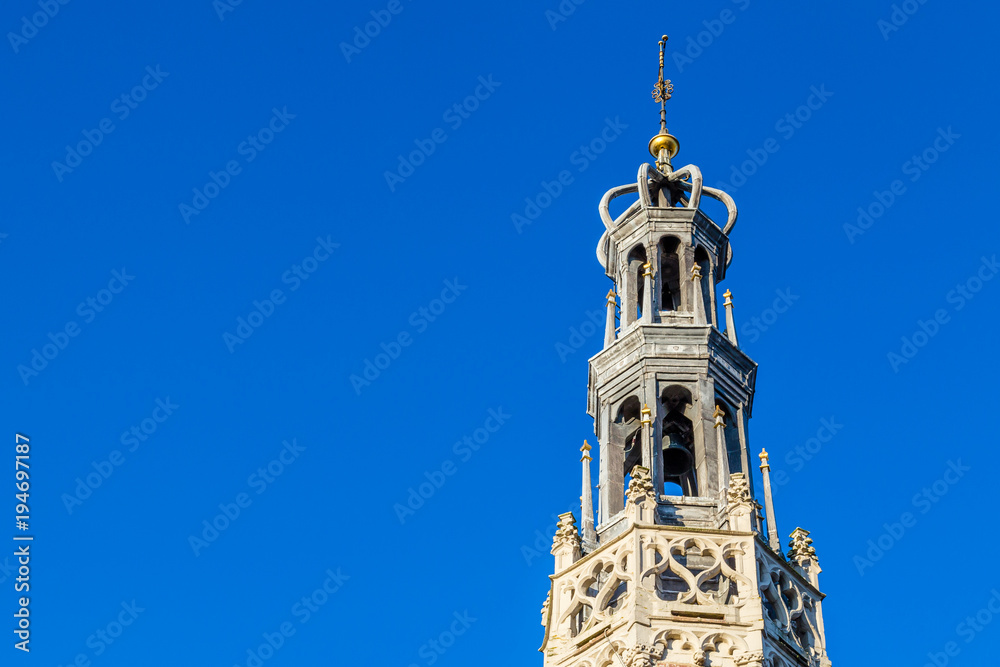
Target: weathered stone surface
675,574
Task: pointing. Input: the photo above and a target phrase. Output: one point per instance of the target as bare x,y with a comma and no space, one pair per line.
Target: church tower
680,568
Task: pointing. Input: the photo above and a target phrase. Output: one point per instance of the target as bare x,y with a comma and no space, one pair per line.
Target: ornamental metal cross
663,89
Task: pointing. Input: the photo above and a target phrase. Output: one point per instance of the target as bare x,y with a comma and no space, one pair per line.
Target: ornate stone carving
789,606
695,570
566,533
751,659
739,491
642,655
594,594
801,551
739,503
545,608
641,488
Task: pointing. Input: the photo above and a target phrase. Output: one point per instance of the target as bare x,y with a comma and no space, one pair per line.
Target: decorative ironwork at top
663,90
664,145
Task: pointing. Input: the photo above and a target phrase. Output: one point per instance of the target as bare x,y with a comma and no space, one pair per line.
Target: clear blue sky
249,154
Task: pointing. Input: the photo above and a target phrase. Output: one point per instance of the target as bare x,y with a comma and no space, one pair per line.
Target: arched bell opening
670,273
677,444
636,282
627,433
731,435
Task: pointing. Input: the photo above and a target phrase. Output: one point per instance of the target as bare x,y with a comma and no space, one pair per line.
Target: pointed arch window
670,273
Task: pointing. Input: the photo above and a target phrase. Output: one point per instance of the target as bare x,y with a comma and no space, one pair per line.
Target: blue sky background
470,548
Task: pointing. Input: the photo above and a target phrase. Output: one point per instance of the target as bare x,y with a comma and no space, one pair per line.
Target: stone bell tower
678,569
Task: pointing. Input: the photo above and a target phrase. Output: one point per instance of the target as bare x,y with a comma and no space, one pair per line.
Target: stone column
609,324
772,529
720,445
647,293
700,316
587,499
730,326
610,488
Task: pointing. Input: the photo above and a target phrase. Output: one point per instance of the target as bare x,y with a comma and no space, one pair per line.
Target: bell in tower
678,440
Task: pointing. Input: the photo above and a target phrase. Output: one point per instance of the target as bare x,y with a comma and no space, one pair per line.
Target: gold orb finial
664,142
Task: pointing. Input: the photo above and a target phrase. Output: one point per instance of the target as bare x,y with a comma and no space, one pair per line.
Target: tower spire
664,145
772,528
677,567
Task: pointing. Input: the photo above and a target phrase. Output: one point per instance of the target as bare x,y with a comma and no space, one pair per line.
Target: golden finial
586,451
663,89
647,269
729,298
664,145
611,297
719,416
764,460
646,412
695,272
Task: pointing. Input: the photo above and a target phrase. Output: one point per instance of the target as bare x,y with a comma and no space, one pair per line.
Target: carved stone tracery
790,607
695,570
597,592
